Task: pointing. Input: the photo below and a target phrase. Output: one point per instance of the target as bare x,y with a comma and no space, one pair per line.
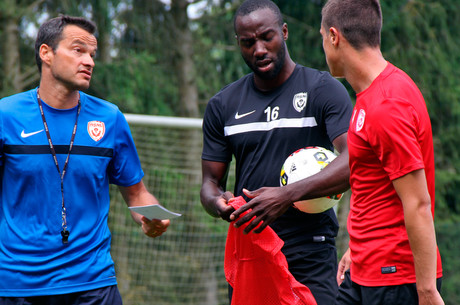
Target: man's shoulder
12,102
317,81
19,96
98,102
90,97
314,74
229,89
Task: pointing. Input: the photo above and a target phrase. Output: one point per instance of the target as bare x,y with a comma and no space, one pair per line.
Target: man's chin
266,75
335,73
82,86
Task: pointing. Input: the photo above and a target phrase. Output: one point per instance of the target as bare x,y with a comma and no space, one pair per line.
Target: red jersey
257,269
390,136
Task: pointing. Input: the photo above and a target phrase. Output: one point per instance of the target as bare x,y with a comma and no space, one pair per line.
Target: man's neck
365,66
58,96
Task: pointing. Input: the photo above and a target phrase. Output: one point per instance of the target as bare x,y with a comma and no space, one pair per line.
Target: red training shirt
390,136
257,269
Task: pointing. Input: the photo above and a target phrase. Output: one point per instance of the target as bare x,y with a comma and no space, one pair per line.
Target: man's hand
224,210
430,298
344,265
267,204
154,228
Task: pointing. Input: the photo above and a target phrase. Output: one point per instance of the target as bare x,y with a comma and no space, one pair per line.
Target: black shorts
315,266
351,293
102,296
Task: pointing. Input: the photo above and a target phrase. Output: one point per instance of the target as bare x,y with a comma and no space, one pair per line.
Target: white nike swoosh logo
26,135
239,116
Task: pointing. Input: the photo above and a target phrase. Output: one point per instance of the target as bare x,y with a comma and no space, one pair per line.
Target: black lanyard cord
64,233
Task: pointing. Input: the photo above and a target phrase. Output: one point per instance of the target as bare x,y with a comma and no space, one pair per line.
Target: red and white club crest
360,120
96,130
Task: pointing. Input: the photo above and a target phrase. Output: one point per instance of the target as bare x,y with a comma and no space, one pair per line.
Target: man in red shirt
393,256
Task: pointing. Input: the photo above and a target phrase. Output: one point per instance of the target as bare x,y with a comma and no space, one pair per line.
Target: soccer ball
302,164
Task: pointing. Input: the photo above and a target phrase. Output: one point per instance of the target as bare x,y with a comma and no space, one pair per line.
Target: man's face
262,42
71,64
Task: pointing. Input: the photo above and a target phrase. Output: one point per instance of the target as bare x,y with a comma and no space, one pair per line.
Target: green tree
418,38
18,72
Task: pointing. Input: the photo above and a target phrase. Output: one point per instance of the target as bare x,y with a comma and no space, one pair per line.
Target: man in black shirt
260,120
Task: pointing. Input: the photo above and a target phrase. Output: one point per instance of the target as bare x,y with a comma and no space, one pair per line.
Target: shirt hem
45,291
400,280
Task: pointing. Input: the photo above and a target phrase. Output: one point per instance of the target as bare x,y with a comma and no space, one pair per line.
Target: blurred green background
169,57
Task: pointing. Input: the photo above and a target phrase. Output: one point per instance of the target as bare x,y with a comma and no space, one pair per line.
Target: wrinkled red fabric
257,269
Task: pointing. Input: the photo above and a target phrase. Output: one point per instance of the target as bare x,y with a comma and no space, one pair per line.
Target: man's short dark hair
360,21
50,33
249,6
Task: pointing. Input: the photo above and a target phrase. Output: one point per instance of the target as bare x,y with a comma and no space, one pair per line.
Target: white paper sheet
155,211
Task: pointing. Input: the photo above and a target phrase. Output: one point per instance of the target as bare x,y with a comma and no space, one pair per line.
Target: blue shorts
351,293
102,296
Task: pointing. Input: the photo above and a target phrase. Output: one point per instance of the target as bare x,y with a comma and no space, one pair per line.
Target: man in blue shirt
59,150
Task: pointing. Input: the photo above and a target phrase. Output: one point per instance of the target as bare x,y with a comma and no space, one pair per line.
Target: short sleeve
337,106
393,136
125,168
215,146
1,139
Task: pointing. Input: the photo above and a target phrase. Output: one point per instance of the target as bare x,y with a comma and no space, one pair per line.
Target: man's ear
334,36
285,31
46,53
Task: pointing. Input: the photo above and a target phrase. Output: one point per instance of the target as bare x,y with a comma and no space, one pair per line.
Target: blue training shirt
33,259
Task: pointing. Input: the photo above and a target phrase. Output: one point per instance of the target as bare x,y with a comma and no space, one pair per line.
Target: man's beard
279,63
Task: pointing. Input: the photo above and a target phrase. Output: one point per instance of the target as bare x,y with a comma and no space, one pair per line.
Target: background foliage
154,58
